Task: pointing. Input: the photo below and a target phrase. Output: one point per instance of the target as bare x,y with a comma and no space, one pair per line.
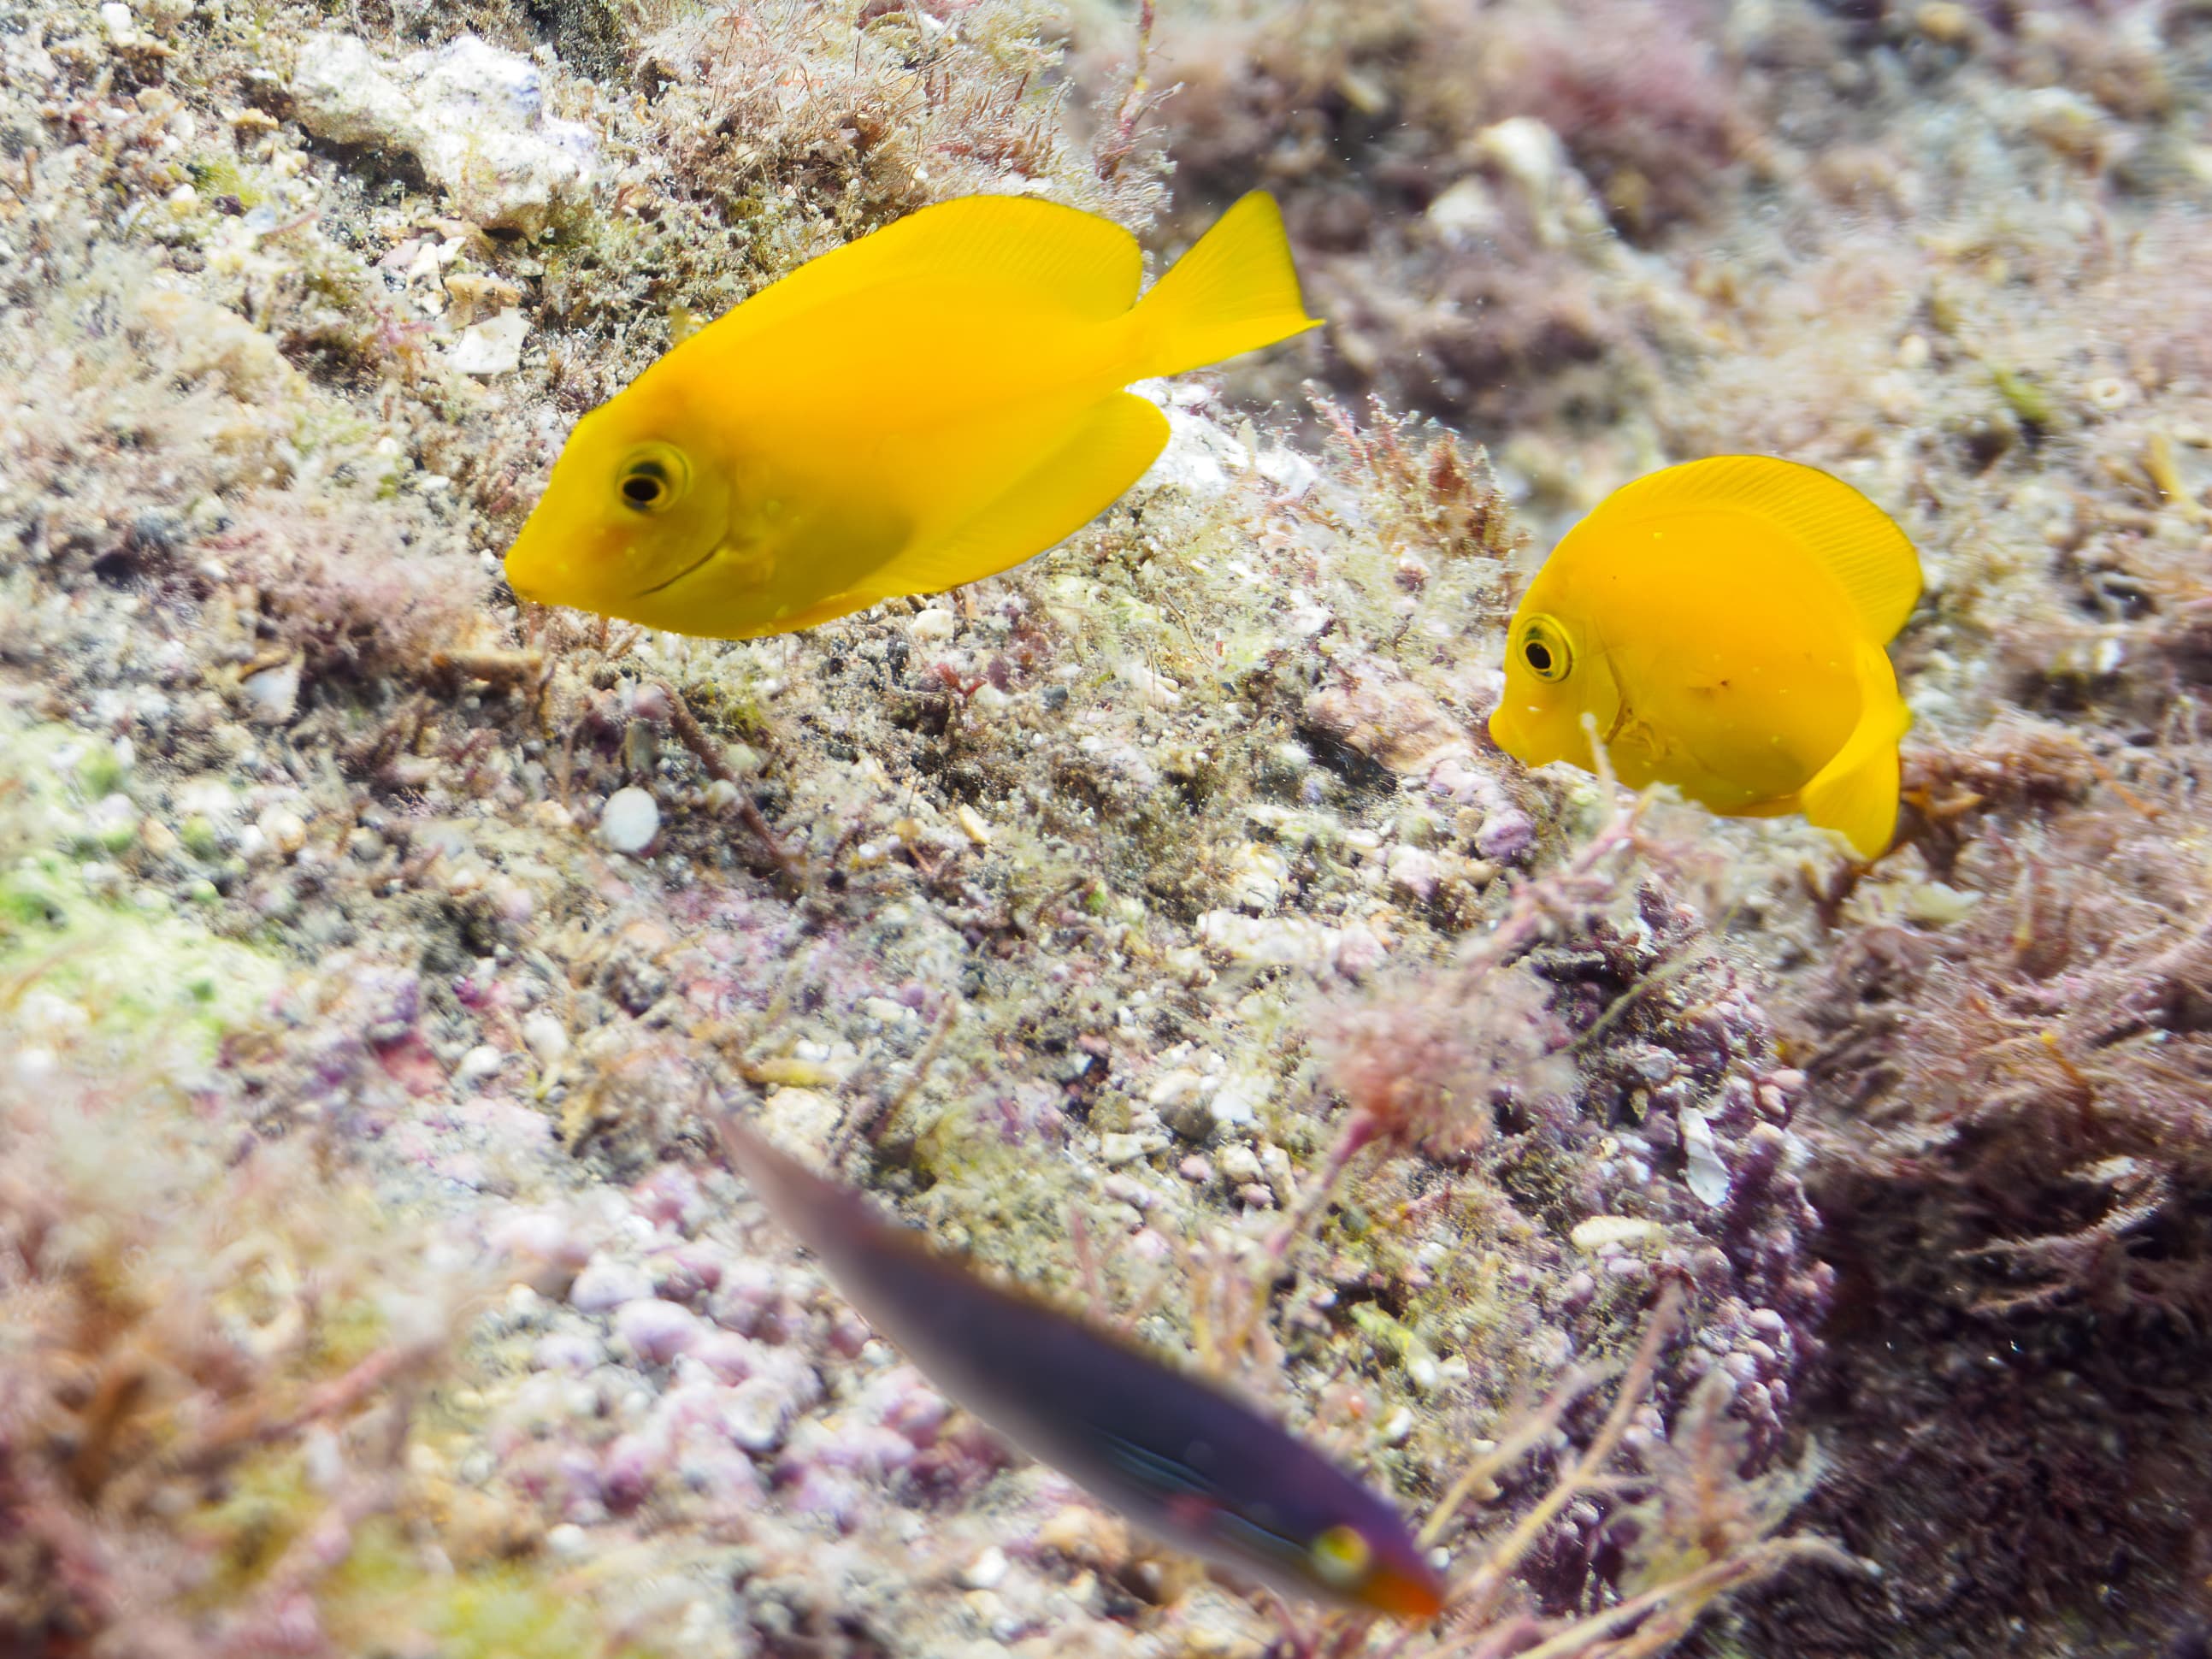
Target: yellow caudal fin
1847,535
1855,792
1234,292
1104,455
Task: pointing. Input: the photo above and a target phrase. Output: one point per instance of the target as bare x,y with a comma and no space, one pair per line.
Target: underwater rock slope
1947,252
1153,921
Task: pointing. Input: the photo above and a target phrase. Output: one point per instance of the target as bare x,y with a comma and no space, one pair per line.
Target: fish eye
1340,1556
652,478
1544,649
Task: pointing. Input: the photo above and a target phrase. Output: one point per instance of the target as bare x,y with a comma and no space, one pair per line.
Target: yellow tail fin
1857,791
1234,292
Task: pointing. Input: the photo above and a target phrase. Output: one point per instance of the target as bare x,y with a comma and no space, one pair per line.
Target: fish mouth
688,571
1411,1593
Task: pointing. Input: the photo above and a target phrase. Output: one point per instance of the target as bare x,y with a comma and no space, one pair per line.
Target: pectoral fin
1108,451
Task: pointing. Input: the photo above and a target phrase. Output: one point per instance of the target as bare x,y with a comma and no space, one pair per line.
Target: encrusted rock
471,115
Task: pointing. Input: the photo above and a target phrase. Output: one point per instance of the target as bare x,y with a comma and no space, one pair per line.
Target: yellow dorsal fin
1077,260
1857,791
1854,540
1235,290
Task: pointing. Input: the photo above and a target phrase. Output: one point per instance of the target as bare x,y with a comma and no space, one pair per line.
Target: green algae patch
268,1505
110,951
387,1594
2027,400
385,1591
126,969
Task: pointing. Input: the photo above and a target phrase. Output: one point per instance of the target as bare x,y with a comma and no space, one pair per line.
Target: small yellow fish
921,408
1723,623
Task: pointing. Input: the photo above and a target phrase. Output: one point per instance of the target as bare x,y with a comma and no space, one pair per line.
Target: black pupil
1539,655
644,483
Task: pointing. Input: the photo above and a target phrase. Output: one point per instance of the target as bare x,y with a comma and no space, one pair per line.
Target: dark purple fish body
1182,1458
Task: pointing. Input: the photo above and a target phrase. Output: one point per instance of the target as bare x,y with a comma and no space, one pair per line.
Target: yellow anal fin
1855,792
1858,544
1107,453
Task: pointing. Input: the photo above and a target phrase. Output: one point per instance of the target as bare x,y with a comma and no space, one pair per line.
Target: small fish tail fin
1855,792
830,1219
1235,291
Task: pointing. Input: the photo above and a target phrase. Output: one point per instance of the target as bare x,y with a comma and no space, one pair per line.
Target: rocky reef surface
1154,922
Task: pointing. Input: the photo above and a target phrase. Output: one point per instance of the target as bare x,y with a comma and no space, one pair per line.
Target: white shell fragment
1601,1231
630,821
493,346
1706,1177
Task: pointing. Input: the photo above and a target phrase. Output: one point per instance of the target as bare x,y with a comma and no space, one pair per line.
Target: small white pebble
568,1541
1601,1231
1172,1088
606,1284
931,624
986,1571
273,695
2110,393
285,830
657,1332
33,1065
325,1460
630,821
1120,1148
756,1413
544,1037
479,1063
1239,1164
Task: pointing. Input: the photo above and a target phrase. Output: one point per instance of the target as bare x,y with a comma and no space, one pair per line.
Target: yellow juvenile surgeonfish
1723,623
921,408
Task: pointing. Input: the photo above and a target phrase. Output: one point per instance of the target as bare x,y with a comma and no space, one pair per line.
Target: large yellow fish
1723,623
921,408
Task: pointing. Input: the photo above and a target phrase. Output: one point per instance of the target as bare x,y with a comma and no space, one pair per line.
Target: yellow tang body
918,409
1723,623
